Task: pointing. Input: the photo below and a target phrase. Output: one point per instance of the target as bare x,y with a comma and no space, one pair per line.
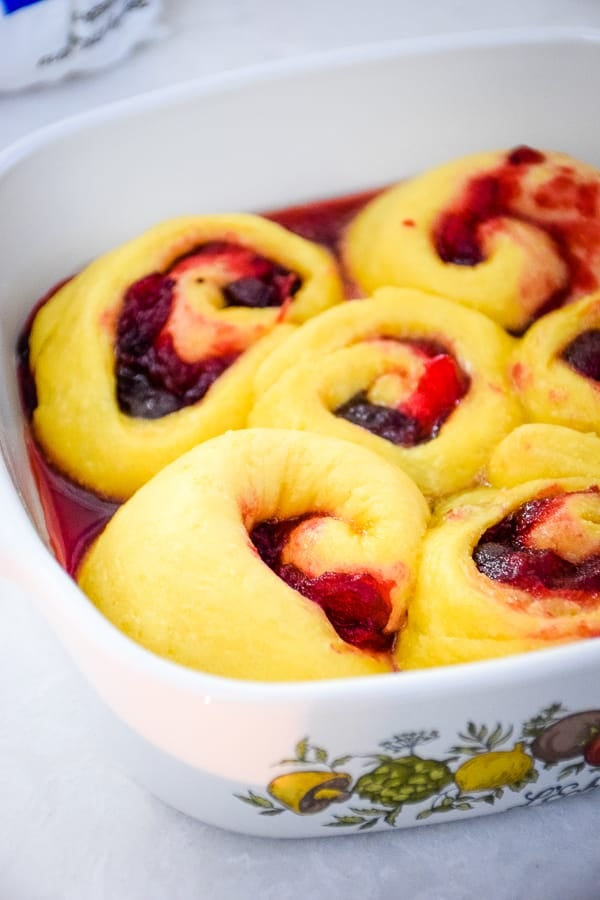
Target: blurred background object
43,40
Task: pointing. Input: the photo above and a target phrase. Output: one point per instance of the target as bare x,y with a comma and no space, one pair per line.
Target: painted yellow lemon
497,769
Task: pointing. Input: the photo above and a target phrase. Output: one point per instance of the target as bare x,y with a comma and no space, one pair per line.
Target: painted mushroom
310,792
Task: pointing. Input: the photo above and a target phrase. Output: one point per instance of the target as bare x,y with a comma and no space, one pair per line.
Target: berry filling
355,604
583,354
249,279
504,553
568,213
420,417
152,380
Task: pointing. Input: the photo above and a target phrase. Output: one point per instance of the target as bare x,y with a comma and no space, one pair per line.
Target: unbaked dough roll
511,234
507,571
543,451
152,348
264,554
557,367
417,379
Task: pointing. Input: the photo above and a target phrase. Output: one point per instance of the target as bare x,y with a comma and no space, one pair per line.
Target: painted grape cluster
479,768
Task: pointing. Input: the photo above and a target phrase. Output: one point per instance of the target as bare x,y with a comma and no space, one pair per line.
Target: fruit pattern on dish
553,754
201,326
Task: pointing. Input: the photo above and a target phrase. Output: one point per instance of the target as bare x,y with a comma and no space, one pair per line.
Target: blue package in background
11,6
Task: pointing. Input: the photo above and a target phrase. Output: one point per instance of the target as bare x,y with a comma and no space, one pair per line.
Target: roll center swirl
565,206
417,416
550,544
153,379
356,605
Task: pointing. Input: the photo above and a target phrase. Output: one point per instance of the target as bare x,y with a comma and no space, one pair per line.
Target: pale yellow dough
344,351
544,451
175,569
458,614
551,390
392,241
78,422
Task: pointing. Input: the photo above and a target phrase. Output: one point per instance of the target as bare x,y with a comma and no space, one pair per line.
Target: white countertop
71,826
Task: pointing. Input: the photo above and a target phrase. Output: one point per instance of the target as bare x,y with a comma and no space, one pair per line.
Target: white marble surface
71,826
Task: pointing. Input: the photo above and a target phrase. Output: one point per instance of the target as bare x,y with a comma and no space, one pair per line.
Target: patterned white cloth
43,40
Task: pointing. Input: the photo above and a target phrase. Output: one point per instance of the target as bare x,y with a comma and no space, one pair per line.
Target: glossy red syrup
74,516
574,227
420,418
325,223
503,554
355,604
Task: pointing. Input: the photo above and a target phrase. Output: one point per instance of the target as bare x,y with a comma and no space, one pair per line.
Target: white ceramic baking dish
285,760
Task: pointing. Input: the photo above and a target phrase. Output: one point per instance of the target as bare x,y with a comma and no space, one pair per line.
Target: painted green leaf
575,769
370,812
271,812
301,748
463,750
320,754
256,800
368,824
425,814
346,820
392,815
463,806
340,761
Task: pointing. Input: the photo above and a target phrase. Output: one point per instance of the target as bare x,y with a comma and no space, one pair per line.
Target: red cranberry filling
503,555
353,602
583,353
256,282
494,194
152,381
456,238
525,156
420,418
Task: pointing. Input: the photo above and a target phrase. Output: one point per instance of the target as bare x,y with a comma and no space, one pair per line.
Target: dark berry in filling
354,603
504,555
384,421
525,156
256,282
583,354
456,235
152,380
485,197
421,416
